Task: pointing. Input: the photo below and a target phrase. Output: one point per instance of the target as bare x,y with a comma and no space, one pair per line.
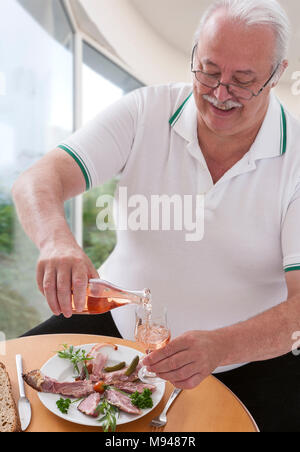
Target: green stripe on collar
178,112
283,124
283,129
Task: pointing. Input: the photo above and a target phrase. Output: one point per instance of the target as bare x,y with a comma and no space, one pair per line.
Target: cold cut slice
121,401
89,405
40,382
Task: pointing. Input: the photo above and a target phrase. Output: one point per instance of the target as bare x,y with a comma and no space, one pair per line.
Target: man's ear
280,71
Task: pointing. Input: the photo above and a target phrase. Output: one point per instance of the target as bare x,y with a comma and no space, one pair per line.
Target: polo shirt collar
271,140
184,120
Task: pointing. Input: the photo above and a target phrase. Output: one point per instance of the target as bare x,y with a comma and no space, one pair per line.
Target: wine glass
151,330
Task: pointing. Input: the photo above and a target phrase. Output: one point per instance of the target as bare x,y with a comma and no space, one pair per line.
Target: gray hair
255,12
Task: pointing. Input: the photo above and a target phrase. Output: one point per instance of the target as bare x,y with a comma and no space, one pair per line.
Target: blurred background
61,62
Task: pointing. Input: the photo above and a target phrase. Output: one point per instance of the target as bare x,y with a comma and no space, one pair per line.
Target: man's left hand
188,359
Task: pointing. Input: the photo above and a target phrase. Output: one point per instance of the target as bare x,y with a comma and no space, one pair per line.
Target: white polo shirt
252,214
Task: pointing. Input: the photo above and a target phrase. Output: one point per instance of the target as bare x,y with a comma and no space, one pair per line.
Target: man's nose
222,94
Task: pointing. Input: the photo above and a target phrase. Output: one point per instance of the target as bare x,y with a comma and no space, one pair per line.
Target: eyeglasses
235,90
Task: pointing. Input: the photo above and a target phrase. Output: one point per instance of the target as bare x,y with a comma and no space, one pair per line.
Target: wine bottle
103,296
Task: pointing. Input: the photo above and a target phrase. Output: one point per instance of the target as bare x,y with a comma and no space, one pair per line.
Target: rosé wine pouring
153,337
152,331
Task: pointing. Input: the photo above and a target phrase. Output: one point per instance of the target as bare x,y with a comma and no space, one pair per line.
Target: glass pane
36,113
103,83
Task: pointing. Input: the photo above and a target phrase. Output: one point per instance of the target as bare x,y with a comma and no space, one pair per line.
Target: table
211,407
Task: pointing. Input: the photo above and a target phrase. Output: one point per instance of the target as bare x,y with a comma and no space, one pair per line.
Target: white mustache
222,105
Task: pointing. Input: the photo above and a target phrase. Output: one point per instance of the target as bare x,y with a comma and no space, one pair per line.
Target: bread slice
9,416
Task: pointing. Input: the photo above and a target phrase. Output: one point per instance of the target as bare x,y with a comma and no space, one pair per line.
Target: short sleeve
291,235
102,147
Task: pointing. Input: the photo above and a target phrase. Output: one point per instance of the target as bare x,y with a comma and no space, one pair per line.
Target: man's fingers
174,362
181,374
80,279
58,273
189,383
93,274
175,346
40,270
79,285
49,290
64,283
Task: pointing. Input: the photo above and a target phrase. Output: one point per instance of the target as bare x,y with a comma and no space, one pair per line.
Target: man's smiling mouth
227,106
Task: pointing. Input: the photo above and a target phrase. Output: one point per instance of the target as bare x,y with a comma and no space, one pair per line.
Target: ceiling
176,21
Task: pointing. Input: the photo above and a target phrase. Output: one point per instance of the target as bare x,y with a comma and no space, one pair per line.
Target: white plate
62,370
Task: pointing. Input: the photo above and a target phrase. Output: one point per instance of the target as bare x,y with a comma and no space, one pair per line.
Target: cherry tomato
100,387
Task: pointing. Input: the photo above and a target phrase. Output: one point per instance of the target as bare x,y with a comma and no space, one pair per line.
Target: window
103,83
36,113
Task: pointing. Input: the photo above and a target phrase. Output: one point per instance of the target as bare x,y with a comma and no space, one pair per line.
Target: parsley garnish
76,357
109,420
64,404
143,400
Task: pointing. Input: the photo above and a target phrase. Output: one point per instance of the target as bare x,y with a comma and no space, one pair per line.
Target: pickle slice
118,366
132,366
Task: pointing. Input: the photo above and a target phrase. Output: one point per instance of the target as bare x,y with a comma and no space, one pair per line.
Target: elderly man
232,297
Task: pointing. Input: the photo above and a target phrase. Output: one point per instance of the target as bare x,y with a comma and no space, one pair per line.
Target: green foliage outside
6,226
97,244
17,292
16,316
22,307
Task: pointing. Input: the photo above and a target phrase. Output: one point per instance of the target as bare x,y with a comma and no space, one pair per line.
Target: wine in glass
151,330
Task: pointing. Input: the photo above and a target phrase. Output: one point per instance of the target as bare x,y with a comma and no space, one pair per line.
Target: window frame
81,38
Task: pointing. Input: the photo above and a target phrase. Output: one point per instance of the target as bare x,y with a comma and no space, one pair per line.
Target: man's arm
190,358
267,335
39,195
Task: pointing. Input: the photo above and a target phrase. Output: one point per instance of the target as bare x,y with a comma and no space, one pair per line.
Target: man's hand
188,359
61,267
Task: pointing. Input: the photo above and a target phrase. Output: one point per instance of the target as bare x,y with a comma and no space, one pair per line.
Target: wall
150,58
289,94
153,60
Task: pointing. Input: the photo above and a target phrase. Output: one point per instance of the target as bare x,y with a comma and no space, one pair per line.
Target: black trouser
101,324
270,389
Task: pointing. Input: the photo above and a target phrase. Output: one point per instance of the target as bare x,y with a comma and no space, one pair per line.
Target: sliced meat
35,379
131,387
120,375
75,389
40,382
88,406
83,375
98,361
111,377
121,401
95,349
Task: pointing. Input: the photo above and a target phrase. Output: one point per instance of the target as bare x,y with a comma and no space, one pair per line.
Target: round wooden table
211,407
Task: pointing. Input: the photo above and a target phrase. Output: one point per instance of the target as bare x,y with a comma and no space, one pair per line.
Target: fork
161,420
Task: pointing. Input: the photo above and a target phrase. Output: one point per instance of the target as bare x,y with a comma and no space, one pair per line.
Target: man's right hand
62,267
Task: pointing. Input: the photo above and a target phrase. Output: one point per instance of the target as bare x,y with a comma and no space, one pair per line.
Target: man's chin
225,123
224,130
